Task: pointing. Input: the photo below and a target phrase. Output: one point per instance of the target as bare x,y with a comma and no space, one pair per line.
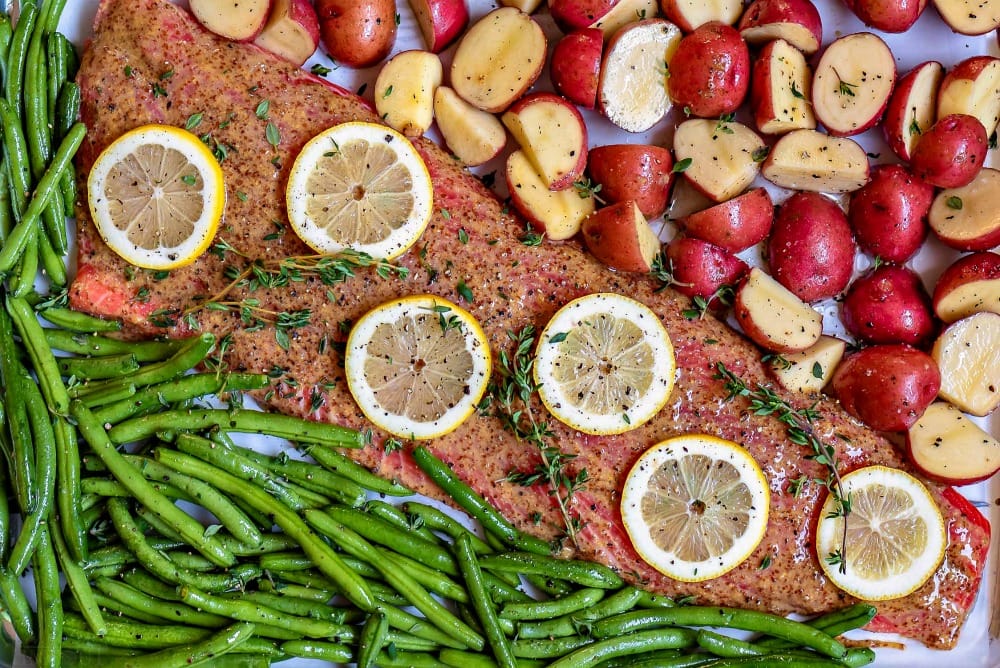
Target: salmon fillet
149,62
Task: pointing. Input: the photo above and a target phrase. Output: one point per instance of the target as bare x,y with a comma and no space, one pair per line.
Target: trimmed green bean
55,60
48,650
373,638
317,649
583,573
833,624
68,494
471,572
303,608
17,53
250,611
168,611
566,625
191,529
578,600
632,643
727,647
348,468
269,542
46,369
79,585
67,104
547,648
17,607
247,421
746,620
13,375
96,368
432,579
154,397
95,400
96,344
786,660
35,114
476,505
26,269
327,561
226,640
408,660
311,477
648,659
436,520
77,321
399,519
52,262
404,621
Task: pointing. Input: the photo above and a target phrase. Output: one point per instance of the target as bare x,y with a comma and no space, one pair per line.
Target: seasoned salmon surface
149,62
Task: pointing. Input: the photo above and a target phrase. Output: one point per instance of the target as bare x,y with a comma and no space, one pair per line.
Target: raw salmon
150,62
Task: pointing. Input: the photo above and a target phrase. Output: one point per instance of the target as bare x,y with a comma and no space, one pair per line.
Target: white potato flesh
474,136
968,356
560,212
624,13
723,156
552,135
947,444
979,97
789,85
699,12
812,160
970,212
852,84
774,317
970,17
919,109
809,370
236,20
404,91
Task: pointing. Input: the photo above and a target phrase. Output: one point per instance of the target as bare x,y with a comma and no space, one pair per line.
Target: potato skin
701,268
710,71
357,33
888,386
888,15
811,250
952,152
889,305
641,172
889,213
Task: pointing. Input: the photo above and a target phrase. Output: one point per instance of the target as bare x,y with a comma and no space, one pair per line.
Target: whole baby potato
889,305
952,152
640,172
889,213
811,250
700,269
888,15
887,386
357,33
710,71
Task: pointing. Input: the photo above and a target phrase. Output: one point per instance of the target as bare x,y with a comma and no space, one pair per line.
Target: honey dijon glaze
513,285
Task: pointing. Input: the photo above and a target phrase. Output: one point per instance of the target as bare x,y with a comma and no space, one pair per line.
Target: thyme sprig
799,422
511,392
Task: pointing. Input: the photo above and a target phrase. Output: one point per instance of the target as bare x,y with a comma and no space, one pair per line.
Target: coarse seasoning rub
149,62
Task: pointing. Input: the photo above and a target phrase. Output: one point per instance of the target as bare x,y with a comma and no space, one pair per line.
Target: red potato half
969,285
814,161
946,446
710,72
889,213
291,32
736,224
498,58
889,305
357,33
575,66
557,213
720,159
952,152
911,108
968,218
780,89
440,21
238,21
619,236
810,250
970,17
474,136
701,269
796,21
888,15
852,83
972,87
774,318
404,91
809,370
968,354
632,90
552,134
887,387
690,14
639,172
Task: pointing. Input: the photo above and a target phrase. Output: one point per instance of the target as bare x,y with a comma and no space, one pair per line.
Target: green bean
312,477
632,643
95,400
49,603
98,649
55,60
17,607
395,516
79,585
648,599
775,661
44,362
205,495
404,621
93,368
485,612
5,519
26,269
408,660
304,592
50,18
137,634
249,611
18,238
373,638
226,640
193,562
52,262
285,561
13,375
111,487
248,421
405,641
316,649
120,554
428,577
578,600
192,353
168,611
474,504
303,608
381,532
547,648
567,625
154,397
354,544
18,170
76,321
648,659
188,527
439,521
327,561
269,542
501,592
833,624
348,468
727,647
17,53
67,103
6,33
746,620
583,573
96,344
35,100
68,502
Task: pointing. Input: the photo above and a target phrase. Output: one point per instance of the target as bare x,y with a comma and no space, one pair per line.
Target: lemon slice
604,364
157,195
895,535
695,506
417,366
360,186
